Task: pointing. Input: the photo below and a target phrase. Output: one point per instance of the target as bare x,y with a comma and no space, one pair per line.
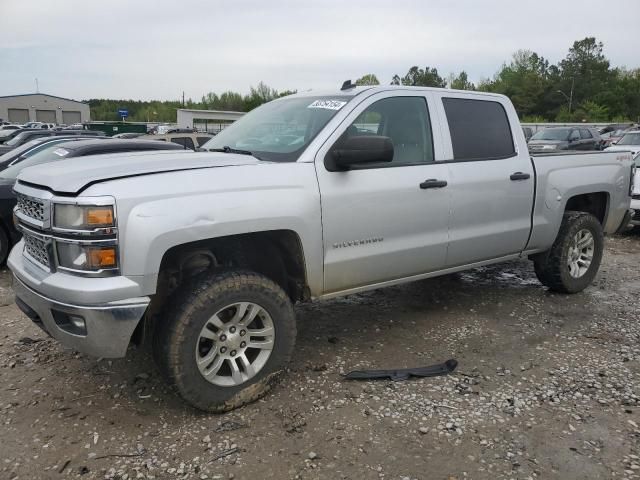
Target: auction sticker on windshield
61,152
328,104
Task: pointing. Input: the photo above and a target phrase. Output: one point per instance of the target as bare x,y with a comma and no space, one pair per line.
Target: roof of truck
353,91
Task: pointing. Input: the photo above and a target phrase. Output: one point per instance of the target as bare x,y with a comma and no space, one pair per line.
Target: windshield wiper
228,149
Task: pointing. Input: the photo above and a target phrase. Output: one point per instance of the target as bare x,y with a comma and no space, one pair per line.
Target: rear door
491,182
383,221
587,139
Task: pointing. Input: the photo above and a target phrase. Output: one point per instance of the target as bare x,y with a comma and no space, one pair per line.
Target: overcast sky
156,49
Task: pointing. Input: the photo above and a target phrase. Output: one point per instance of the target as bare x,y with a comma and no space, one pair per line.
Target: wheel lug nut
223,349
232,329
243,344
242,333
223,338
233,353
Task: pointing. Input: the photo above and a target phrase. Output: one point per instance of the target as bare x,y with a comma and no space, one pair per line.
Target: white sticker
328,104
61,152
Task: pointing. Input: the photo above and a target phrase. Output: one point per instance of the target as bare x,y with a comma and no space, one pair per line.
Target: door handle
433,183
520,176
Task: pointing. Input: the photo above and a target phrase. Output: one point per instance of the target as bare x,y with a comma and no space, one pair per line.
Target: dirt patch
547,387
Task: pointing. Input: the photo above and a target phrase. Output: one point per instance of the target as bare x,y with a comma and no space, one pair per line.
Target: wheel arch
277,254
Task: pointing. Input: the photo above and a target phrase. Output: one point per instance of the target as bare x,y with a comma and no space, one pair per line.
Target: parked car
25,150
25,136
32,125
629,142
611,138
565,138
62,151
191,141
75,126
128,135
635,197
5,130
616,126
294,202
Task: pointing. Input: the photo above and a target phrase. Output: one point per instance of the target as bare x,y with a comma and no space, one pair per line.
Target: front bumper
635,220
107,328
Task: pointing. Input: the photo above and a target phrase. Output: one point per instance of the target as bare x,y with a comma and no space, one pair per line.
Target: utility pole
183,99
571,93
37,88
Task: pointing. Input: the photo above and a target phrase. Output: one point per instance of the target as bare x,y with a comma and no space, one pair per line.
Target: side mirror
360,150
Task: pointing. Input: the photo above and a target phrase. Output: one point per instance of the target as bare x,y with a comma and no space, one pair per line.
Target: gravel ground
547,387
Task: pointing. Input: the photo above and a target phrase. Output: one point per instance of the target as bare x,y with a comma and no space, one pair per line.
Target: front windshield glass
279,130
15,140
552,134
16,152
50,154
631,138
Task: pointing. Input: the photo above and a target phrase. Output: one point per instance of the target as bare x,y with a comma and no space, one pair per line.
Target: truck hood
73,175
624,148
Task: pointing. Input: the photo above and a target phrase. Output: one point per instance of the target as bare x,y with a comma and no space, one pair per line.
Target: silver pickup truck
311,196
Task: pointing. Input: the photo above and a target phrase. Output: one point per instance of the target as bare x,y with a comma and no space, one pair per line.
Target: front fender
184,207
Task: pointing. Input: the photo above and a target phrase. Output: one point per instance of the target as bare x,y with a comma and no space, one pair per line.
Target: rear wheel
574,259
227,340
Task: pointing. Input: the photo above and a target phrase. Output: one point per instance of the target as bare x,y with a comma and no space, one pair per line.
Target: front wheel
574,259
227,340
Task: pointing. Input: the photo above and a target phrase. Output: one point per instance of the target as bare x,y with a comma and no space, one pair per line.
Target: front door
382,221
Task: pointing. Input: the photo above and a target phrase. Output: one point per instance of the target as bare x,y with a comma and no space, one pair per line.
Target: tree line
581,87
165,111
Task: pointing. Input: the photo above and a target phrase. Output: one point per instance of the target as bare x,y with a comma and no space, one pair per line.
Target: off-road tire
174,341
551,266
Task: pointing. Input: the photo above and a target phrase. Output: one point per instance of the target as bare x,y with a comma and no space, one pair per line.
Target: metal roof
44,94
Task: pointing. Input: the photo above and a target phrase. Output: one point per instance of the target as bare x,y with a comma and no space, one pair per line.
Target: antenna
347,85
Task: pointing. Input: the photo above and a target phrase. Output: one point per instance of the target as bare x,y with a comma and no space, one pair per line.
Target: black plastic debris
405,373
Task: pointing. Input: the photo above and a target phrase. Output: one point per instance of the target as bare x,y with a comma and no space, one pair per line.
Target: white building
39,107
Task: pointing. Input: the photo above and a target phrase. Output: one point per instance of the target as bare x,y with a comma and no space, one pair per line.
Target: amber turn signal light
102,257
100,216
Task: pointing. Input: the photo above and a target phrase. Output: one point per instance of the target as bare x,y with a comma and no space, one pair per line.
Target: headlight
77,256
549,147
83,217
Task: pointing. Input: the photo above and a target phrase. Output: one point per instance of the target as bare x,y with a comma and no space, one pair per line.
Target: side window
186,142
405,120
479,129
585,134
202,140
575,135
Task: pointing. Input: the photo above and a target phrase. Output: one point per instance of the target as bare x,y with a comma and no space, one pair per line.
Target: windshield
15,140
10,155
50,154
552,134
279,130
631,138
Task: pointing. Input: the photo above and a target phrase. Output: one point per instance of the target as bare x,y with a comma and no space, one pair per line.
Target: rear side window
479,129
203,140
585,134
186,142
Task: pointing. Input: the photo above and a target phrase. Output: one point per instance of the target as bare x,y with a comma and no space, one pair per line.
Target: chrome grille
36,249
31,207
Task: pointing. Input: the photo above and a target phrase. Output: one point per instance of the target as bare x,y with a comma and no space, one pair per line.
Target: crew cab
311,196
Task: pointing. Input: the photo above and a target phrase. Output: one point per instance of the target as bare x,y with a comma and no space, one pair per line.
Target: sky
140,49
